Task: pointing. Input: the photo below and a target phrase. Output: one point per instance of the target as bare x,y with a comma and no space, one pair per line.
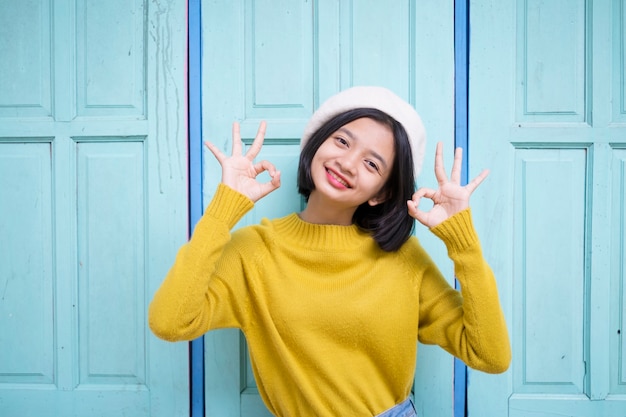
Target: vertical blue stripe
194,95
461,86
461,139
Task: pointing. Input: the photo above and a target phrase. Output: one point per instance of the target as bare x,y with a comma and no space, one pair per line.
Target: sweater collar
323,237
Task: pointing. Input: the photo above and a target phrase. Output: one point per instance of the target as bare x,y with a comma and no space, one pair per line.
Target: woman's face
353,164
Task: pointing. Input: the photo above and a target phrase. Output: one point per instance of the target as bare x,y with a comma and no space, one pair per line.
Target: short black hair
389,222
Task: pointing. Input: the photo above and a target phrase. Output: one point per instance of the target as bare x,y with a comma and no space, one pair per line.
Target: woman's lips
337,179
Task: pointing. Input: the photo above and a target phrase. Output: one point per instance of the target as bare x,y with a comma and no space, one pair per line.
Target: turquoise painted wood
92,205
277,61
548,116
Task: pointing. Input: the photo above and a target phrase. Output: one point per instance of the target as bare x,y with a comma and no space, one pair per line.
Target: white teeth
342,182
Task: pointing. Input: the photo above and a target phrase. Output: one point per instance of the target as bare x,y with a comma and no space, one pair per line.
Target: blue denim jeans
404,409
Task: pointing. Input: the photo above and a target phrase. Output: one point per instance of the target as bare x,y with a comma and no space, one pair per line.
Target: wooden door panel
617,297
26,272
110,46
549,295
550,42
111,265
26,51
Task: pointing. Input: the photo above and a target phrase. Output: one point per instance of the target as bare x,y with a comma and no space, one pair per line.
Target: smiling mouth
337,178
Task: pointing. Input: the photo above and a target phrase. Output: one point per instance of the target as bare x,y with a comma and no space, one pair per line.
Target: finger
271,185
276,179
258,142
440,171
274,182
237,144
455,175
215,151
265,166
416,213
412,207
424,192
414,203
472,185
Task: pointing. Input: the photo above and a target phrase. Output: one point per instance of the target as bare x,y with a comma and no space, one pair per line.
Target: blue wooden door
92,205
548,115
277,61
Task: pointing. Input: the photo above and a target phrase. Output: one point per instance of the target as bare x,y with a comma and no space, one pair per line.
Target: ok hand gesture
239,171
450,198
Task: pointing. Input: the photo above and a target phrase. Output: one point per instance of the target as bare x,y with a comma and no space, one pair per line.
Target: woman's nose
348,162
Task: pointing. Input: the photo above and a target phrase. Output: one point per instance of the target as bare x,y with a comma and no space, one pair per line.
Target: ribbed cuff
228,205
457,232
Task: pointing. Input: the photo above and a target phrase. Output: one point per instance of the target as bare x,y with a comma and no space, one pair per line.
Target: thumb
416,213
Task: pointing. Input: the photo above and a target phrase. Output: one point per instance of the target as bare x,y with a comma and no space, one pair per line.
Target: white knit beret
377,98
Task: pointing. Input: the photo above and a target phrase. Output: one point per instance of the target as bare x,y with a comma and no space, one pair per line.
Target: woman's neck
319,211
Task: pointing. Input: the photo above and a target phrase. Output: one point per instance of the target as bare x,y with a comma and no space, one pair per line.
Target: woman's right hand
239,171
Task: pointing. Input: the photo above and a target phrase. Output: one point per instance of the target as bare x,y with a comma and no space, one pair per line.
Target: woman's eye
342,141
372,165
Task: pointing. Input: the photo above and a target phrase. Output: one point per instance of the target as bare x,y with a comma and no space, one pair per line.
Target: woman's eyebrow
373,152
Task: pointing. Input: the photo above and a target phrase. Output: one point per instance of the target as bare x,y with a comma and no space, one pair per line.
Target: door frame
195,155
461,139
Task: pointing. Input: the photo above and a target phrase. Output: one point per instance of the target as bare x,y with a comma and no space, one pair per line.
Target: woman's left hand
450,198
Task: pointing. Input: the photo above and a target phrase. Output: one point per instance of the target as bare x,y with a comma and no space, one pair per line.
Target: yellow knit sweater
332,321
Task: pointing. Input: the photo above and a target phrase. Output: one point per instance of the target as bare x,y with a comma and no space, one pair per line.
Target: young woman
332,300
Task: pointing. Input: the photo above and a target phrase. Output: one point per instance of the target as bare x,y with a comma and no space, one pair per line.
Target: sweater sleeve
193,299
470,324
